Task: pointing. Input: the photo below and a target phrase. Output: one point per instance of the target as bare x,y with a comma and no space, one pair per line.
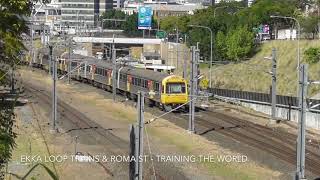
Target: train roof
143,73
150,74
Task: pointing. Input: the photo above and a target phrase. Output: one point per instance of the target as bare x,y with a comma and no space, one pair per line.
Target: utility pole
177,41
75,144
139,137
193,86
69,64
132,164
185,64
54,90
31,34
85,69
303,85
114,71
274,84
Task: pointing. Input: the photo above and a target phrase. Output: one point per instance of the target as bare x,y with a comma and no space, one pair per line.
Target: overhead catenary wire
155,118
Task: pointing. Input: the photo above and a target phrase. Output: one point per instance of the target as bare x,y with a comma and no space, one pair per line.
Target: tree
130,27
239,43
312,55
7,135
12,24
230,16
220,44
309,25
169,23
113,14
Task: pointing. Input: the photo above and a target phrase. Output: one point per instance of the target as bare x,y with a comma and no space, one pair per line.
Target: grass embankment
196,145
29,143
250,75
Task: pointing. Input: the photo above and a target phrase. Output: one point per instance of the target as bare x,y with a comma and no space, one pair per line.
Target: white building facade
85,13
248,2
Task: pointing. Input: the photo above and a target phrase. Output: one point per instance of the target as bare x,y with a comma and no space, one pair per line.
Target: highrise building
85,13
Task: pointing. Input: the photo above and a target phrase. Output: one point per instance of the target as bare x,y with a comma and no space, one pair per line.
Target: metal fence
261,97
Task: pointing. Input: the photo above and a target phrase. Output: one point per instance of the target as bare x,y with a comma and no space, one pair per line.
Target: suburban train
164,90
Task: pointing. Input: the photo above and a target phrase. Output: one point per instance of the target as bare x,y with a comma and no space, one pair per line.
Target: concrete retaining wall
312,118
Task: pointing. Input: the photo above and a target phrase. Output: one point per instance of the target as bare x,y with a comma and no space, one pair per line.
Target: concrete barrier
312,118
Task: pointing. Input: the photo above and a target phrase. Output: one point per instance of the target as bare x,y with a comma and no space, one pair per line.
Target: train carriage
161,89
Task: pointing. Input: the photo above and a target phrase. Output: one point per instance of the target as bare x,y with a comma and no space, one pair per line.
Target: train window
99,71
125,78
139,82
121,77
134,81
74,64
145,83
156,86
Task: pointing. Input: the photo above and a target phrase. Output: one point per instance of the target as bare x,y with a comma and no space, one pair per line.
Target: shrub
312,55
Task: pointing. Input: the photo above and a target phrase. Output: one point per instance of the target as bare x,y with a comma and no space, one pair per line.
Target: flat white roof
117,40
159,66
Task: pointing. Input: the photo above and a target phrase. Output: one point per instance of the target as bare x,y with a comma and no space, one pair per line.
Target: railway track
97,133
278,144
275,142
84,124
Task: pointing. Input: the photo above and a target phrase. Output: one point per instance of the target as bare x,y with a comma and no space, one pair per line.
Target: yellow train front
174,92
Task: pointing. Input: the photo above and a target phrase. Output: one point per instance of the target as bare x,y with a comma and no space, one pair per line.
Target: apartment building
85,13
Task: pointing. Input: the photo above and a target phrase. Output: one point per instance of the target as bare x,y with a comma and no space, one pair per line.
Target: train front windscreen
176,88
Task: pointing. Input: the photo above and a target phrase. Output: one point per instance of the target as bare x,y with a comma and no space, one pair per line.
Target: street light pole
211,46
